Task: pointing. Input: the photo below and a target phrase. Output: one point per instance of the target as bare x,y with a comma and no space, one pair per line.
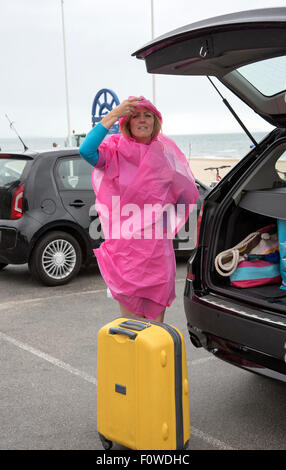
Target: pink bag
254,261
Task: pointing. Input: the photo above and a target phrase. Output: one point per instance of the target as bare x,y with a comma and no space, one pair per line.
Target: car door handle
77,203
184,239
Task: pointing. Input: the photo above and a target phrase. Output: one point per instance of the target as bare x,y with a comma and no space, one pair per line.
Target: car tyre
56,259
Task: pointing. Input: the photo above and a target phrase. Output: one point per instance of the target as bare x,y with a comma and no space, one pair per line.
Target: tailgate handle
204,50
77,203
121,331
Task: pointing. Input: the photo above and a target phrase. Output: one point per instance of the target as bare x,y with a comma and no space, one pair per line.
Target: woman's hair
125,127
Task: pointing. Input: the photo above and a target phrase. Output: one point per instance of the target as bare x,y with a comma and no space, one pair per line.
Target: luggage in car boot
142,392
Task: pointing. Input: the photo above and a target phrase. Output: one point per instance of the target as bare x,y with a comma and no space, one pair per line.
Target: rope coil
226,262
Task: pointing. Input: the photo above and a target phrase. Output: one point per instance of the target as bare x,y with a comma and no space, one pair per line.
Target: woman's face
142,125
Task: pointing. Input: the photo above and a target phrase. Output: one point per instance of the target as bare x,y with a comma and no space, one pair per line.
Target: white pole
152,34
66,77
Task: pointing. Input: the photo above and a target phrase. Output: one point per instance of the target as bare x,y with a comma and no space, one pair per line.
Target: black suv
246,52
46,210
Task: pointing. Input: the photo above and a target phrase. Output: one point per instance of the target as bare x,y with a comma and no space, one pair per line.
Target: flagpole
152,34
66,77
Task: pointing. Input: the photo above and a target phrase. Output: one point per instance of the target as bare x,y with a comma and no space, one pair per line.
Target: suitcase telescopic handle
121,331
135,325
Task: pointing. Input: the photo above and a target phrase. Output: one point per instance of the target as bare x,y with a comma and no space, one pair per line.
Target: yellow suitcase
142,391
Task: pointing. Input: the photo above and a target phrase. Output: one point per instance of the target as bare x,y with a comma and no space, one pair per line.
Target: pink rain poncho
136,184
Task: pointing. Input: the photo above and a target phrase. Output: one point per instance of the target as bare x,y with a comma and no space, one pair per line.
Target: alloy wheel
59,259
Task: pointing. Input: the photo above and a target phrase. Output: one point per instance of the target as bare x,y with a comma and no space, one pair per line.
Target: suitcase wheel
106,444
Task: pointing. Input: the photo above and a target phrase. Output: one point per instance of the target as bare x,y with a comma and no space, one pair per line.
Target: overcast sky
100,37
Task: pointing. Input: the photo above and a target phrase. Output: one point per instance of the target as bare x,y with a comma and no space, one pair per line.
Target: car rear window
267,76
11,171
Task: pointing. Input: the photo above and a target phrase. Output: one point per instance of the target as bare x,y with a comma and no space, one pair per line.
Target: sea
228,145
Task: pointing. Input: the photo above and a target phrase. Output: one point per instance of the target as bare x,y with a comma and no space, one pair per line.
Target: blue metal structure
105,100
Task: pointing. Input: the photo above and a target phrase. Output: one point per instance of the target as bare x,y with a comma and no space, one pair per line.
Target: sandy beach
198,166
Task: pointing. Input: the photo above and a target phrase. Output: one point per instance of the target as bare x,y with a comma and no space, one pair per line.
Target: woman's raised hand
126,107
123,109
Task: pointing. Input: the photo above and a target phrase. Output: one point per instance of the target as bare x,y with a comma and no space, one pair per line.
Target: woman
139,177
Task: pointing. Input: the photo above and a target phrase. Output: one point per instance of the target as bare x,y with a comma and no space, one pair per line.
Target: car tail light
17,203
199,223
190,276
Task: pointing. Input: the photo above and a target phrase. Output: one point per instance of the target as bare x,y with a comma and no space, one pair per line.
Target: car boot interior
259,201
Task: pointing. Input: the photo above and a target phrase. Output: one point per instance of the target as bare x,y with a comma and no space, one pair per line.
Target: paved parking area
48,372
